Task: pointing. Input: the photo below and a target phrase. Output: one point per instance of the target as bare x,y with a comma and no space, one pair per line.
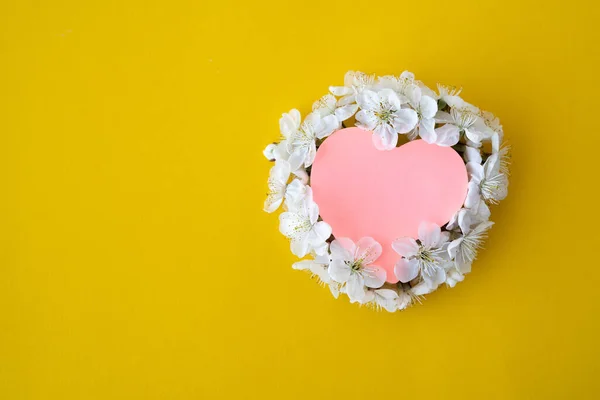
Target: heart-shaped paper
362,191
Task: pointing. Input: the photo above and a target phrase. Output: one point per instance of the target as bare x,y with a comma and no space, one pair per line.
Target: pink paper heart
362,191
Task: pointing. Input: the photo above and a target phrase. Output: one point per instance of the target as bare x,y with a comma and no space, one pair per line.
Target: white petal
428,107
355,287
289,222
340,90
443,117
447,135
453,247
320,233
348,99
430,234
295,193
297,158
320,249
299,246
374,276
407,75
310,155
345,112
368,100
387,137
343,249
413,94
464,268
390,97
303,265
387,298
289,123
428,135
406,247
403,301
405,120
406,270
368,250
473,135
269,151
422,289
329,124
339,271
473,196
483,212
324,104
272,202
367,120
472,155
475,171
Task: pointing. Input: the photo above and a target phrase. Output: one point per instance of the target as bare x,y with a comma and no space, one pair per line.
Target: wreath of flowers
388,106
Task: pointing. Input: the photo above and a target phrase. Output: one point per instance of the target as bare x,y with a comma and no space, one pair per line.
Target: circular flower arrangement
387,107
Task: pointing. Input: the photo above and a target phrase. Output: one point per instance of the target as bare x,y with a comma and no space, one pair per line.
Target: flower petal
345,112
368,250
367,120
355,287
387,298
343,249
406,247
405,120
390,97
387,137
373,276
340,90
428,107
473,198
368,100
269,151
272,202
320,233
299,246
290,224
447,135
406,270
453,247
428,135
339,271
289,123
430,234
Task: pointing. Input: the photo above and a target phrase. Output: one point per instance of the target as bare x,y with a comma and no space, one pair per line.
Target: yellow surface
135,260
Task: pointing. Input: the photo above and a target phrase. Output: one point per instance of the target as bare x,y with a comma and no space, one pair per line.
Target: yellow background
135,259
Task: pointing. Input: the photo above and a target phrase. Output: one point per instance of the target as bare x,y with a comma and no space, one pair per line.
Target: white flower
382,298
278,178
463,119
383,114
333,114
300,137
269,151
301,225
426,109
425,258
447,94
460,219
404,85
453,277
295,193
503,152
318,268
464,249
408,295
486,181
354,83
352,264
